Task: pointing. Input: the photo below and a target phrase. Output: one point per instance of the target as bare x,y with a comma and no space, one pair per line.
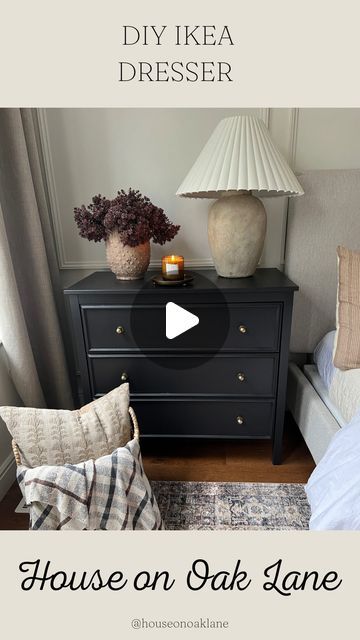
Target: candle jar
172,267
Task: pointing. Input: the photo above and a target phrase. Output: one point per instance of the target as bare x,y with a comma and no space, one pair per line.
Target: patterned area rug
228,505
232,505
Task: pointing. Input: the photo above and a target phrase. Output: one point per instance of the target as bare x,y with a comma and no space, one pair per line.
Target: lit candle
172,267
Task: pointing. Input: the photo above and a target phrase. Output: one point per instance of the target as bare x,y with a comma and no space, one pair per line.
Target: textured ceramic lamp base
236,230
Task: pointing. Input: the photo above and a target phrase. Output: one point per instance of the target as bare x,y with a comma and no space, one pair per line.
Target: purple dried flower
131,214
90,220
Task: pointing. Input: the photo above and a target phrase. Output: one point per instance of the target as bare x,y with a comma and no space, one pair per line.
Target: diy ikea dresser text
179,69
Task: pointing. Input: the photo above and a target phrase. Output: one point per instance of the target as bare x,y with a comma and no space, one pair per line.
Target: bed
326,216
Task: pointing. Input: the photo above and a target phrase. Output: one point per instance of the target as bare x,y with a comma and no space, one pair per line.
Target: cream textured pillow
347,339
53,437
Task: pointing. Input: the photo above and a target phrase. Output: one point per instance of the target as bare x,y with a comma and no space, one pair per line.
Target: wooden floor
228,460
210,461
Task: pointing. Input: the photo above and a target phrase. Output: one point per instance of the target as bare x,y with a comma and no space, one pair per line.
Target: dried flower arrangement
130,213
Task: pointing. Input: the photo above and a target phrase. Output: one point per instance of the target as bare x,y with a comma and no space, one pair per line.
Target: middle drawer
222,374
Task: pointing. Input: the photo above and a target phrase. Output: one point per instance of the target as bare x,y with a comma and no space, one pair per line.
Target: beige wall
328,139
101,150
91,151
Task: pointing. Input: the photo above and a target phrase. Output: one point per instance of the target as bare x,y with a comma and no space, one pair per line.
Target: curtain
30,293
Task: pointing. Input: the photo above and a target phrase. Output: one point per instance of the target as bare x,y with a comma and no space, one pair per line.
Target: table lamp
238,163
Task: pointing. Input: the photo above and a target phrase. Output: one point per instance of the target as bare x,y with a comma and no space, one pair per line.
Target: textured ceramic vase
128,263
236,230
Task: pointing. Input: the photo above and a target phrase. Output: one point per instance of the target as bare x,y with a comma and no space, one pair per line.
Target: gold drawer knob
124,377
120,330
240,420
241,377
242,328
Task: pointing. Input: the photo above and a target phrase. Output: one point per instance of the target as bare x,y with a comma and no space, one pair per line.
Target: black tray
160,281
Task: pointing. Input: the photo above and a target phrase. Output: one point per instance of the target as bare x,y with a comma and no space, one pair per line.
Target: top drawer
250,327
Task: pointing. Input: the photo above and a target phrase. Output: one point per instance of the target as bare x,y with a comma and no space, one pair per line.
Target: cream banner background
253,613
286,53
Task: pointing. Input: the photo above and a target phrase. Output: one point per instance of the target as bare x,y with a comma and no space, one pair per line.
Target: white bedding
333,489
344,392
312,374
323,358
343,397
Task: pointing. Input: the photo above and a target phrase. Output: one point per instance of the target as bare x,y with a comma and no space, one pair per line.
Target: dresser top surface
269,280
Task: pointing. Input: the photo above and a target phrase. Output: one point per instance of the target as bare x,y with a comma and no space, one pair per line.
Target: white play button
178,320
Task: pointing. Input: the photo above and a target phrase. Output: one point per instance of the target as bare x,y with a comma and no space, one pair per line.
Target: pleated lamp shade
240,155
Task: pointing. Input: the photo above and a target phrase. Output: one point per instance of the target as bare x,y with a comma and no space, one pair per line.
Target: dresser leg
277,452
277,442
282,381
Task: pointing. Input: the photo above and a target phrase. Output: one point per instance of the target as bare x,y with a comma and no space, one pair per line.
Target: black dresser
224,378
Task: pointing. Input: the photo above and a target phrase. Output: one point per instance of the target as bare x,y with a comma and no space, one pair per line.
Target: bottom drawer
204,418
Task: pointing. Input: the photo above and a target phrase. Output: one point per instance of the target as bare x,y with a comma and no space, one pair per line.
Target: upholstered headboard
326,216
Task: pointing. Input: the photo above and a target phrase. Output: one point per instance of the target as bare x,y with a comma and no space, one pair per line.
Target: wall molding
264,114
51,187
293,138
63,262
7,474
102,265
